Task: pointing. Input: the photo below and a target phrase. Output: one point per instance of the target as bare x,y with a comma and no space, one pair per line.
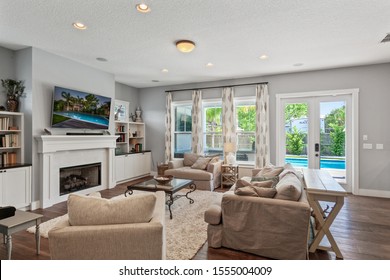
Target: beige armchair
115,241
206,177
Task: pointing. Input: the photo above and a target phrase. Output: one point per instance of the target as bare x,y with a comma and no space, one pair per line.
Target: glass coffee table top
174,186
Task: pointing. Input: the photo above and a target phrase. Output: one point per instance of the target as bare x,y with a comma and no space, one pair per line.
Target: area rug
186,232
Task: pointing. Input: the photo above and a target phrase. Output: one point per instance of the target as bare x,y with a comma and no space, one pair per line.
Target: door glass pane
296,127
332,124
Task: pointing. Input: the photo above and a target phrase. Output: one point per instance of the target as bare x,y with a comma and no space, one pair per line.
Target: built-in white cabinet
15,186
132,165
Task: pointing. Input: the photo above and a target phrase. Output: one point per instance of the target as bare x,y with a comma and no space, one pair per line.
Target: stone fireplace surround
58,151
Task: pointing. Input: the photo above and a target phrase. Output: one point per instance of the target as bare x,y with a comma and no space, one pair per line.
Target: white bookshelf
11,137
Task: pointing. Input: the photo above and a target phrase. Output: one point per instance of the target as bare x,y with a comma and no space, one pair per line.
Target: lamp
230,149
185,46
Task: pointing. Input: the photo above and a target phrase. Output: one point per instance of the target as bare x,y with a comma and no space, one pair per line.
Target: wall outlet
367,146
379,146
365,137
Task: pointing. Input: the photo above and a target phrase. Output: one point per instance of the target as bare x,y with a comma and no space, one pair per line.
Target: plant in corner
14,90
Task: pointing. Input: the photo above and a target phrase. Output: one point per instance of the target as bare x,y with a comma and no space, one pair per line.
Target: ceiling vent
386,39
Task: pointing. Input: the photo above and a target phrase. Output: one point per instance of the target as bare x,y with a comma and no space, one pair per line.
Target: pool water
85,117
325,163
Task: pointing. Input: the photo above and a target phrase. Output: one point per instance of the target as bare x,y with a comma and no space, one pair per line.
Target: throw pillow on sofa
289,188
89,210
201,163
260,189
190,159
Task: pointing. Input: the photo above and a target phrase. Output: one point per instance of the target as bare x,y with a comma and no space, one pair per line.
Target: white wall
372,80
50,70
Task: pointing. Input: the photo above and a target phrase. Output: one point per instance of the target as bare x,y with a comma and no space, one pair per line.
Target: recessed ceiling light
79,25
298,64
209,64
185,46
263,57
155,81
101,59
143,8
165,70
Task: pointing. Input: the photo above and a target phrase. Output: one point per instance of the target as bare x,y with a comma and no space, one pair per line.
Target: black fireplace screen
75,178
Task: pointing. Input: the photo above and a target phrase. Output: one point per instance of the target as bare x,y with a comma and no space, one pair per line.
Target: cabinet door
16,185
130,164
146,162
120,168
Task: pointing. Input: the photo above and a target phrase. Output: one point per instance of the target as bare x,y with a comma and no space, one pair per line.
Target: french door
316,132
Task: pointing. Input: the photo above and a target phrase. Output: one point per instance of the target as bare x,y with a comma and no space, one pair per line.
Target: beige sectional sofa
131,228
276,228
205,171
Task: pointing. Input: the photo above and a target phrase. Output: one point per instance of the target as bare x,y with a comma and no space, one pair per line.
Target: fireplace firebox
80,177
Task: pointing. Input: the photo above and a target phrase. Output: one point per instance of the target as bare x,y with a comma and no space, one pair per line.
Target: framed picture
121,111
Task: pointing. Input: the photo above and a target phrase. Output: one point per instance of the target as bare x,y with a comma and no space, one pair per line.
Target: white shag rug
185,233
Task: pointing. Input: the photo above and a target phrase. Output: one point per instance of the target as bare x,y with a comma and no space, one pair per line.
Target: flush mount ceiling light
79,25
185,46
143,8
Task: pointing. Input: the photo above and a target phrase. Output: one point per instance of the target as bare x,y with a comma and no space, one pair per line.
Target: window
182,130
212,128
246,128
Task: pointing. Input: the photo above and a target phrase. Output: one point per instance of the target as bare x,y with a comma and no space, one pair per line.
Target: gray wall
23,70
127,93
374,115
7,69
51,70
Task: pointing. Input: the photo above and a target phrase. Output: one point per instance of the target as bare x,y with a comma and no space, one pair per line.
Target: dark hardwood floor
362,232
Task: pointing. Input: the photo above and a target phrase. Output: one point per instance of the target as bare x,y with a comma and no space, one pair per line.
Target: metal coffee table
170,189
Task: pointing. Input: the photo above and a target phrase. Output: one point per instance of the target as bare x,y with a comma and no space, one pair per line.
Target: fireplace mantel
58,151
58,143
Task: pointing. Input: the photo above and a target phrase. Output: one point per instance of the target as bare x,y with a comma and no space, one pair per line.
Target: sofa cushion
289,188
89,210
269,172
261,189
201,163
190,174
190,159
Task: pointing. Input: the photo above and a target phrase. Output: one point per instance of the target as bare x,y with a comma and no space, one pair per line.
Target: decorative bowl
163,180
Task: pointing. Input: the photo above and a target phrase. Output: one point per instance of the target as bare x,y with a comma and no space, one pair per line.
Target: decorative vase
12,105
138,113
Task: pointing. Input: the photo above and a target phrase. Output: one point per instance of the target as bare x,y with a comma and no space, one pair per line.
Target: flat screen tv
77,109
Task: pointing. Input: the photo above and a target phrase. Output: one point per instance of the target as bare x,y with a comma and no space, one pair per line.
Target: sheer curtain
229,127
262,126
168,128
197,131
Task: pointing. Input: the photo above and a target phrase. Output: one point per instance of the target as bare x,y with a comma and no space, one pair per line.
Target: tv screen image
77,109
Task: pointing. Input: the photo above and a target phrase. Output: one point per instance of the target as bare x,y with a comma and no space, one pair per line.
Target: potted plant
14,90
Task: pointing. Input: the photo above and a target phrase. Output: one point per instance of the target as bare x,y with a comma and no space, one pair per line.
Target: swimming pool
96,119
325,163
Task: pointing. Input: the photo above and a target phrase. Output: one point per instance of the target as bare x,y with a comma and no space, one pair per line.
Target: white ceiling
231,34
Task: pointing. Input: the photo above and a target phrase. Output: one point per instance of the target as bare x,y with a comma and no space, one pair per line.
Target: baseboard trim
374,193
35,205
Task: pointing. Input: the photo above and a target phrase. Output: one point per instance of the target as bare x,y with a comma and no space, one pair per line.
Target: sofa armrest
213,215
215,168
176,163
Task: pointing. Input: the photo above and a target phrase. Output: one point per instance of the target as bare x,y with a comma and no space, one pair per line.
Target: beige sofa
205,177
276,228
125,237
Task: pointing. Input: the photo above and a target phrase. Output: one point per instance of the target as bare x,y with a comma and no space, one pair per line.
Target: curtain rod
239,85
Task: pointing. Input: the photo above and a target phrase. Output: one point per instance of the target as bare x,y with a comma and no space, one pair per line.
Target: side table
229,175
21,221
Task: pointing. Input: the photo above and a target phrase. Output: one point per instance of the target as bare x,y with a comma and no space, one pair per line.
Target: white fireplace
62,151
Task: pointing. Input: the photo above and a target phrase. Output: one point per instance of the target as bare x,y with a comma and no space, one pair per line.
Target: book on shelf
8,158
